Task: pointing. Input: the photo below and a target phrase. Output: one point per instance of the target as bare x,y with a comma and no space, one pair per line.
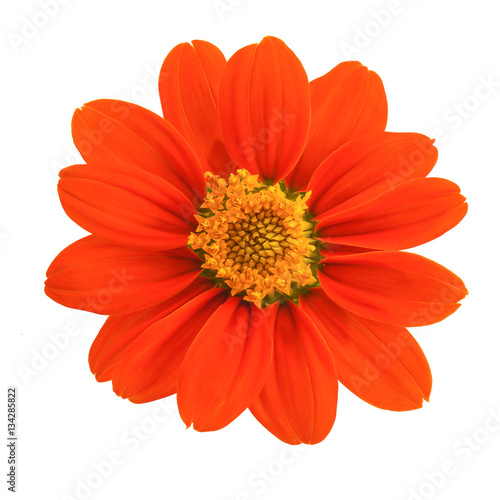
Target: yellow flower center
254,239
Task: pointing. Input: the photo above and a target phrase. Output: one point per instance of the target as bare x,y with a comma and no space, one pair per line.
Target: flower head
247,246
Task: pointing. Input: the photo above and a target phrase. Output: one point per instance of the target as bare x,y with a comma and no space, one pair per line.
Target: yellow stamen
254,238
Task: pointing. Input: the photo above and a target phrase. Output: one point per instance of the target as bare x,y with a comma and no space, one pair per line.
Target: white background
432,56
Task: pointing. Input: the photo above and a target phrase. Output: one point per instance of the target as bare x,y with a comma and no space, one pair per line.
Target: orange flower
247,246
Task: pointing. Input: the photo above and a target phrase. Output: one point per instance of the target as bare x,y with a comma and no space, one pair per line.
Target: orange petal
381,364
299,400
264,108
336,249
150,366
189,84
397,288
103,278
268,408
109,130
225,367
120,330
408,215
126,205
368,166
346,103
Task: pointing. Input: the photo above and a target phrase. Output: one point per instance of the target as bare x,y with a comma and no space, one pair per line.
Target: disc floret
254,239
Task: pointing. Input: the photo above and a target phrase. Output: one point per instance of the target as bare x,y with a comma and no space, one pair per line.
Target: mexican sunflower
247,245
